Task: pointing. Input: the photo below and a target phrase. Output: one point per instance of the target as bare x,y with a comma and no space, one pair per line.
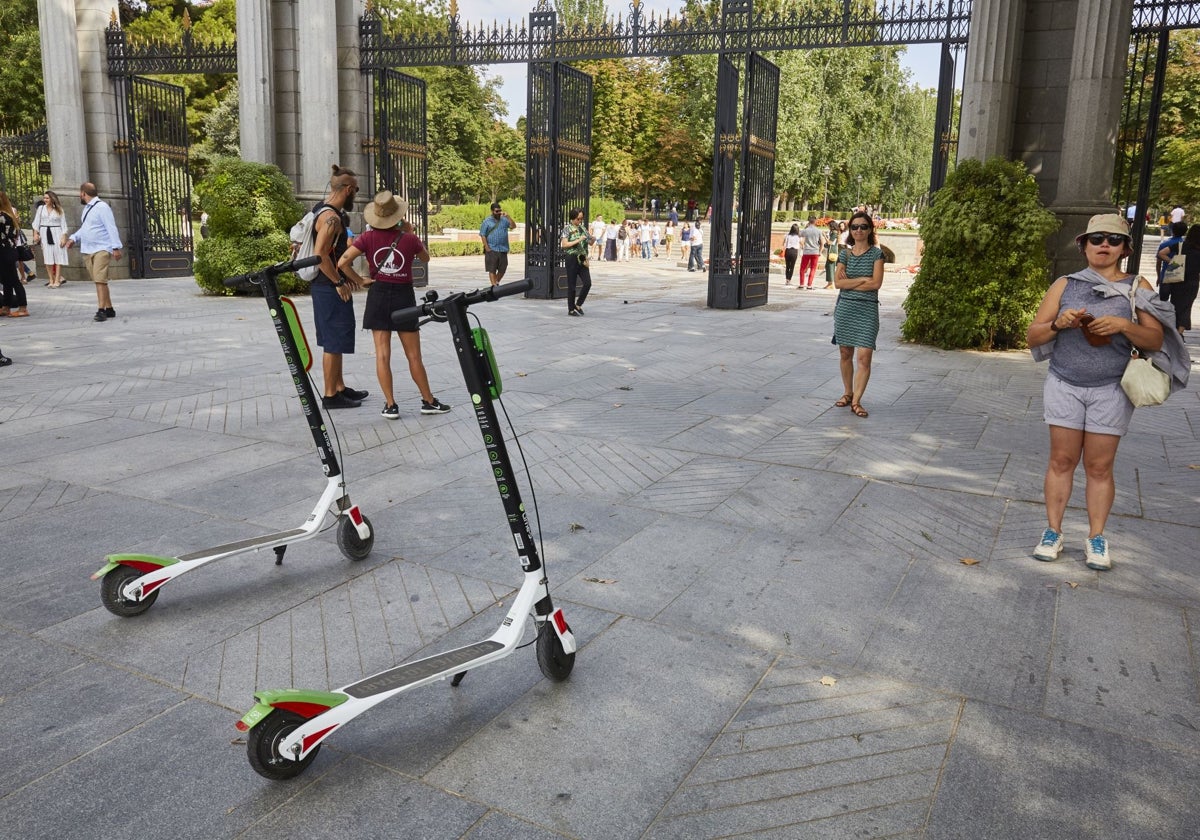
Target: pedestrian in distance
696,243
598,228
391,248
494,233
791,250
50,231
574,245
832,248
1083,327
812,240
14,291
332,292
856,312
100,245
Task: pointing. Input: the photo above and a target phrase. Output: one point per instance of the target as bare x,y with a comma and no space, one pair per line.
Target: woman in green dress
856,314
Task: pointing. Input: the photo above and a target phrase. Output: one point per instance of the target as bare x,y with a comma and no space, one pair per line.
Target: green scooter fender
306,703
142,562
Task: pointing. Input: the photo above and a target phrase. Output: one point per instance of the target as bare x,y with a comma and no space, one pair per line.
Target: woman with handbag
15,303
1084,326
50,231
391,248
574,246
1181,292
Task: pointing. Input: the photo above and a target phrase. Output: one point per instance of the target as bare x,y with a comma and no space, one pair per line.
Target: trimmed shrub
250,208
985,269
469,248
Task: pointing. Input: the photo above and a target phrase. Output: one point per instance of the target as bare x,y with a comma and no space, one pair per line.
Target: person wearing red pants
812,240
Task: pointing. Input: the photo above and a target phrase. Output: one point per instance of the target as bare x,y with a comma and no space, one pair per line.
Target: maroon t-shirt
388,263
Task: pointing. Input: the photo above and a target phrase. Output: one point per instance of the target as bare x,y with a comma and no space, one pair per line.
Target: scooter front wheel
351,544
262,747
116,603
555,663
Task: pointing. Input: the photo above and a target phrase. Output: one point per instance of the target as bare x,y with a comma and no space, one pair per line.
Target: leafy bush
468,248
250,208
471,216
984,268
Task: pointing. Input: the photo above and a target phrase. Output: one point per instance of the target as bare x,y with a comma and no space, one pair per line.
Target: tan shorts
97,266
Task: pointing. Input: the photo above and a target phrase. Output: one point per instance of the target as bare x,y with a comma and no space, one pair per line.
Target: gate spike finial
112,18
453,8
187,21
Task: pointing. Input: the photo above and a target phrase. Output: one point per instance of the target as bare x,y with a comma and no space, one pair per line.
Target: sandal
858,410
846,400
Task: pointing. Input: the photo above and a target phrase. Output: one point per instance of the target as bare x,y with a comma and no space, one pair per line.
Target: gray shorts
1104,410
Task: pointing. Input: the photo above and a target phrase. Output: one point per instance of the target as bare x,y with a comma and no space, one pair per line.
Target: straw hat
385,211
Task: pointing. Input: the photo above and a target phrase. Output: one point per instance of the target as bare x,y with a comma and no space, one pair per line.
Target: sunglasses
1113,239
860,227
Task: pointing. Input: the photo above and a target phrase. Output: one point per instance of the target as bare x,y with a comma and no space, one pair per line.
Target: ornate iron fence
25,169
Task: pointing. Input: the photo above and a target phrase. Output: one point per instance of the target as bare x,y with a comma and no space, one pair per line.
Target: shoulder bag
1175,267
1142,382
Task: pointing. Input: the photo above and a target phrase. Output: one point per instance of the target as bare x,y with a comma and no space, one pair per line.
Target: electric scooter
286,727
129,583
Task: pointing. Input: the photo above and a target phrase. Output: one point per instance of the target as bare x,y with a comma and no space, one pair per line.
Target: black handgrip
437,308
272,270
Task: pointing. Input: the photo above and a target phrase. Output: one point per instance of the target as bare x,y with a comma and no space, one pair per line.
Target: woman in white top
50,229
791,248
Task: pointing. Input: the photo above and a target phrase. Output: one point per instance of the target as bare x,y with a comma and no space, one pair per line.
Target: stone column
1092,122
64,97
353,112
989,99
256,91
317,85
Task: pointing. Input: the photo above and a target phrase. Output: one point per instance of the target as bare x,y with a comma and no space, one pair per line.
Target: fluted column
317,77
64,95
353,114
990,81
256,90
1098,55
1092,122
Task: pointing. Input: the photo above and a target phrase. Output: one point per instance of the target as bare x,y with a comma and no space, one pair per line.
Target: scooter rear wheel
262,747
555,663
116,603
350,543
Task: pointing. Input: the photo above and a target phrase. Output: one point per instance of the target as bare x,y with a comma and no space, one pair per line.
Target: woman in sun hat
390,247
1083,327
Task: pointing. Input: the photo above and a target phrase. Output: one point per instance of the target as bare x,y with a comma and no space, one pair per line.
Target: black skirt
382,300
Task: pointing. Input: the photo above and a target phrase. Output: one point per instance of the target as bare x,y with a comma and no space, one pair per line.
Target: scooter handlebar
272,270
436,309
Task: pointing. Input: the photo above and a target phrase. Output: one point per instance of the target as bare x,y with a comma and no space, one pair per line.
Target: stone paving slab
720,536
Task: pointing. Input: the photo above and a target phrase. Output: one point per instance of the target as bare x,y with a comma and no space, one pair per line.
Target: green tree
1176,177
21,104
984,268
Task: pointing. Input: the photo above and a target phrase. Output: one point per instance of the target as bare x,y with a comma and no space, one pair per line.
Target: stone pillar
256,87
99,113
1092,121
989,99
317,100
353,111
64,98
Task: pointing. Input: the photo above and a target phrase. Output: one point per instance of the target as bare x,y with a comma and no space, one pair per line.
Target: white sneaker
1050,547
1095,553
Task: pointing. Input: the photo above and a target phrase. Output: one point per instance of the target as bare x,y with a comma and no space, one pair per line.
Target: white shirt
1177,215
97,229
598,229
697,238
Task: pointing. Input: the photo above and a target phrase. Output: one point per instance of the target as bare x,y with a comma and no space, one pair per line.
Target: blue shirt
1173,244
495,231
97,229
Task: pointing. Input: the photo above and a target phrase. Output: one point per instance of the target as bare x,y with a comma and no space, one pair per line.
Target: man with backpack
332,299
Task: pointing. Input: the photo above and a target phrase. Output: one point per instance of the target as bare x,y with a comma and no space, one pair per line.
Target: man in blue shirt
494,233
99,243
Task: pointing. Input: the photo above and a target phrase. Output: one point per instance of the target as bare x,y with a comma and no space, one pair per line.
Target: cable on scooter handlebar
436,309
271,270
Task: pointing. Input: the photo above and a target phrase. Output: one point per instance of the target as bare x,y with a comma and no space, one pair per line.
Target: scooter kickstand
279,549
458,678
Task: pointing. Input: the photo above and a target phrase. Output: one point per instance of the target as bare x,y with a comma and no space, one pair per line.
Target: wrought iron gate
153,144
25,169
400,150
739,280
558,172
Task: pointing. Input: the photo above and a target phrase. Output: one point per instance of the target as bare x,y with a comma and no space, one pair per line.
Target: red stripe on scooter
317,736
142,566
560,621
305,710
150,587
356,515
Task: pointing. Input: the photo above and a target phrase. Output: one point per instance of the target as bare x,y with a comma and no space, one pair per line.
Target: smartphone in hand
1095,340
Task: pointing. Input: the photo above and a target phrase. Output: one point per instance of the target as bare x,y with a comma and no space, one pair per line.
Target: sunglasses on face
1113,239
860,227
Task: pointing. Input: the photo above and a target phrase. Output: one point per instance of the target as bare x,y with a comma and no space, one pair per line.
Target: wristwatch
1054,325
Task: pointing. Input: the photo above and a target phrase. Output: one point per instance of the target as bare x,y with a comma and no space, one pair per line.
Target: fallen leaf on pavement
828,681
575,526
969,561
1071,584
599,580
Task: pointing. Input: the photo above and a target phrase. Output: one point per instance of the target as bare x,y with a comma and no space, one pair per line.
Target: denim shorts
1103,410
334,318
